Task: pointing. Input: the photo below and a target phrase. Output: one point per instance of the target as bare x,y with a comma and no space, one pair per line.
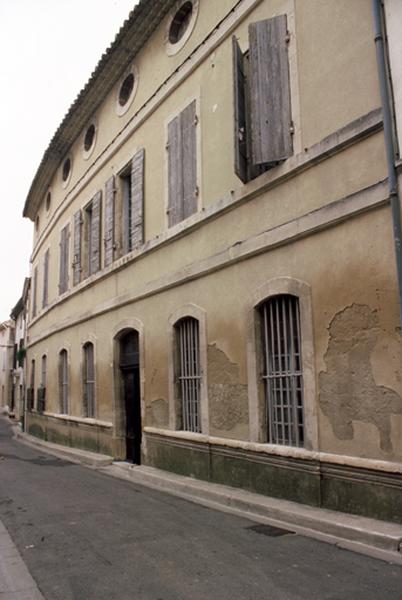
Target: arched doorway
129,367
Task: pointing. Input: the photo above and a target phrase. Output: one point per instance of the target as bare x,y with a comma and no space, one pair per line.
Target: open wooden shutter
175,172
77,267
239,95
109,221
137,199
45,279
189,159
271,138
95,237
34,291
64,240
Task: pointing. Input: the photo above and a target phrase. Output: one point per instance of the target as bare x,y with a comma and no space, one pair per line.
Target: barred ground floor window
282,373
189,372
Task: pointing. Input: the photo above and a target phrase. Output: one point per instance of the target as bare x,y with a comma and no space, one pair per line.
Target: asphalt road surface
87,536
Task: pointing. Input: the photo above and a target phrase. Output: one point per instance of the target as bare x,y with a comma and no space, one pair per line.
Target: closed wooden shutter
63,275
109,221
189,159
34,292
271,138
175,172
137,199
239,95
45,278
77,261
95,234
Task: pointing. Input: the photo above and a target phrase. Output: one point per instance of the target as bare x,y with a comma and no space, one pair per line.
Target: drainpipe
389,145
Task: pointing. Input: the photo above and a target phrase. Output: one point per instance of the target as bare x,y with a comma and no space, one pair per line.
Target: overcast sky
48,50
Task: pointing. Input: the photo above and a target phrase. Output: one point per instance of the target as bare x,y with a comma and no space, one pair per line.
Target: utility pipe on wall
389,145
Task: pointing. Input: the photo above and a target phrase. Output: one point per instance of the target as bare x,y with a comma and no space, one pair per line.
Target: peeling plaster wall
348,389
228,397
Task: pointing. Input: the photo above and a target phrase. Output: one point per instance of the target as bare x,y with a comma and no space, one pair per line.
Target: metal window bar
190,373
64,383
283,376
89,380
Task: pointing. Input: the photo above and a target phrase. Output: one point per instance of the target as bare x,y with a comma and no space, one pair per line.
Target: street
86,536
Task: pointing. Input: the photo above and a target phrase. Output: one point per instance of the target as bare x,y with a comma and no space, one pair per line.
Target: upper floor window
181,25
182,165
45,289
188,371
89,380
64,253
34,292
283,372
132,196
263,120
127,90
63,382
66,171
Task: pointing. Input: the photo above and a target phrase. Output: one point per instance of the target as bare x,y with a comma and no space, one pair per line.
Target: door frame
119,422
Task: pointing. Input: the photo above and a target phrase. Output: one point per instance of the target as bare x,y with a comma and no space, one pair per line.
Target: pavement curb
378,539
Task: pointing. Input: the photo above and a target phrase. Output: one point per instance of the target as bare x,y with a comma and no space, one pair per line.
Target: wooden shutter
45,279
175,173
63,276
189,157
109,221
34,292
95,234
77,266
137,199
271,138
239,96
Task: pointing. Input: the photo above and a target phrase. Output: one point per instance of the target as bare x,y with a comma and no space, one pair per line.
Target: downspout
389,145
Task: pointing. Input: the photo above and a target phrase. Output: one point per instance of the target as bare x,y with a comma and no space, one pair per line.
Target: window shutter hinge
167,146
196,119
291,128
287,37
196,191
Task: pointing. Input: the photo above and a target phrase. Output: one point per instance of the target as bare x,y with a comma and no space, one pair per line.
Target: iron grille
63,382
190,373
89,381
283,375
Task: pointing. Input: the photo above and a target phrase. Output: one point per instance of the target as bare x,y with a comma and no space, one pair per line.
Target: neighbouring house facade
19,316
6,366
214,288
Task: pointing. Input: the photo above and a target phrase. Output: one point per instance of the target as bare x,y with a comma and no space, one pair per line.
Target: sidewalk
379,539
15,581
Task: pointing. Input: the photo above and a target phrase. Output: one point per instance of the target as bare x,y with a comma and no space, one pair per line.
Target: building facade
19,316
6,366
214,288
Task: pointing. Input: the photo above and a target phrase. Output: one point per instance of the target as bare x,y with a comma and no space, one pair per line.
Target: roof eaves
133,34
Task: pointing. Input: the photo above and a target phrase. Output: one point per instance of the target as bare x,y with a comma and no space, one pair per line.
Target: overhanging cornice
134,33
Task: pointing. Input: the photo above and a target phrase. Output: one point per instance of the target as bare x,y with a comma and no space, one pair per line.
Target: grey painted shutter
95,237
239,96
189,159
137,199
45,279
271,137
175,175
35,290
109,221
77,267
63,279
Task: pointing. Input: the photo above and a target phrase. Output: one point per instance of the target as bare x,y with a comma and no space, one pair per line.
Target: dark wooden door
130,370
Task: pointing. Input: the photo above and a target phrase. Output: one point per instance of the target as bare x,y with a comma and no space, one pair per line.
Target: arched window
188,372
89,380
43,371
63,382
282,370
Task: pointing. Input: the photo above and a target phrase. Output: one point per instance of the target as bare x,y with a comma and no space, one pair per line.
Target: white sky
48,50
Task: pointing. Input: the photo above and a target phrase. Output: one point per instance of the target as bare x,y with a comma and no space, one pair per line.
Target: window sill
82,420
